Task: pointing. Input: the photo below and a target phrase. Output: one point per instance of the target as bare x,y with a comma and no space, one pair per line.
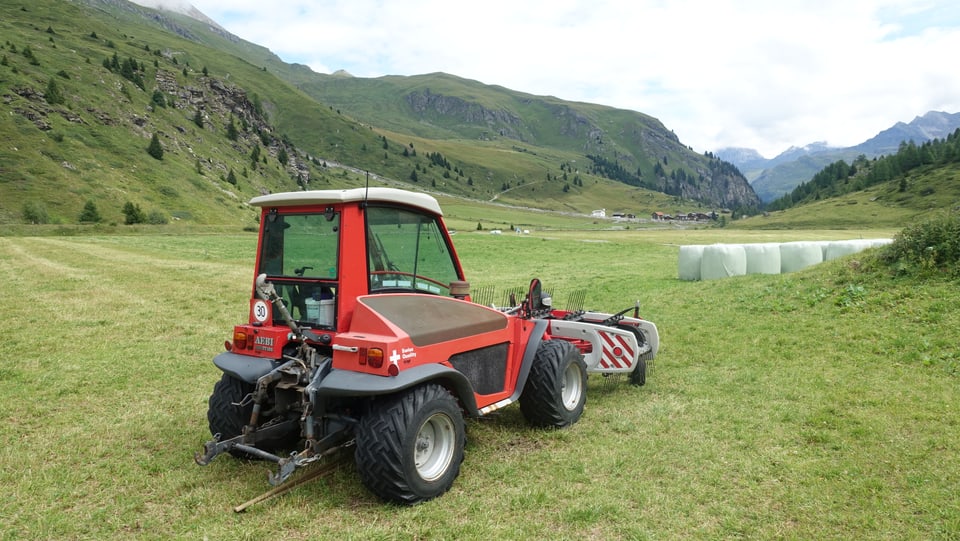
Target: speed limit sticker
260,311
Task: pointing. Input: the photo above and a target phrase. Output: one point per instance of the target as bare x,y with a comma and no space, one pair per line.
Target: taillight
239,339
374,357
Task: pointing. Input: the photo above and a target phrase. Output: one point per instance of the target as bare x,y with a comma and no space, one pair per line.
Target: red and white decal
617,351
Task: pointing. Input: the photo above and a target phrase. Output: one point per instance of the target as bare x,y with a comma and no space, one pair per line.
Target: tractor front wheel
410,445
556,389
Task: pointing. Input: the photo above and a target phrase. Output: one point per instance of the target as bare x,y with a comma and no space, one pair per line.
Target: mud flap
244,367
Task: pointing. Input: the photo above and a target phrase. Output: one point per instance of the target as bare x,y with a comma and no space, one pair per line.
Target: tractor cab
321,250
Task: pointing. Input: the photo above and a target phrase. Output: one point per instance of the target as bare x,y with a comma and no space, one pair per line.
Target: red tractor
361,332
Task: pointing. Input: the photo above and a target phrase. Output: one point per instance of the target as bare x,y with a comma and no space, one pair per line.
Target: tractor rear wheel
410,445
556,389
227,417
224,415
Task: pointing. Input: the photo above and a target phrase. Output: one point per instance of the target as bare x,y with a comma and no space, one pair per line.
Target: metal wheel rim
572,387
434,447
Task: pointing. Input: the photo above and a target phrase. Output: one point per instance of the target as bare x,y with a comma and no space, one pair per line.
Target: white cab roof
328,197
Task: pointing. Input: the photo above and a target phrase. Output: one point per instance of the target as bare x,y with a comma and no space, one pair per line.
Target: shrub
931,245
157,218
35,213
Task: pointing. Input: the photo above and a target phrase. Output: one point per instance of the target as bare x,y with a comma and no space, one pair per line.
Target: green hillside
77,128
888,191
87,85
890,204
624,145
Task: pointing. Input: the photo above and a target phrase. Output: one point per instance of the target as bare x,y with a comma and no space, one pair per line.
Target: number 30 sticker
260,311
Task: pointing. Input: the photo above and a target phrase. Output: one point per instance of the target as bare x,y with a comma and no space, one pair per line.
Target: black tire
639,375
556,389
410,445
225,418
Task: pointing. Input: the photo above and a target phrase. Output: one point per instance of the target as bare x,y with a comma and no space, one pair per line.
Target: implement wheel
638,376
410,445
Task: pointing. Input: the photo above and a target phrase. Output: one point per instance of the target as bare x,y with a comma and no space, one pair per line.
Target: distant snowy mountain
933,125
747,160
752,164
778,176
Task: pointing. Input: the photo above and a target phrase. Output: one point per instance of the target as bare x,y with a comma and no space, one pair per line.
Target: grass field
815,405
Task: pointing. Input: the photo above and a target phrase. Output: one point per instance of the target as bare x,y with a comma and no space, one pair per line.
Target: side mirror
534,296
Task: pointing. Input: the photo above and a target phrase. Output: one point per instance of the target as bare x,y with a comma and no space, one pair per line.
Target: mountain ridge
479,120
561,154
778,176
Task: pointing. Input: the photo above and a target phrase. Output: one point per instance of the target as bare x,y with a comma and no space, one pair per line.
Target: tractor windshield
407,251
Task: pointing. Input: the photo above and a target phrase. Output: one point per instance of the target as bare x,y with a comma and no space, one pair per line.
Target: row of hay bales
712,261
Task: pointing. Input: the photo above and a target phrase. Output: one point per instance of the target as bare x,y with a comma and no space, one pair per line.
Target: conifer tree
155,149
53,94
255,156
132,214
90,214
158,98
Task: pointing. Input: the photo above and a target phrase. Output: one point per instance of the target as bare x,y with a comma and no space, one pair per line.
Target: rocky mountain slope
87,84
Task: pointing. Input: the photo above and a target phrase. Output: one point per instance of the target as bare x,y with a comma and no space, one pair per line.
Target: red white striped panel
613,344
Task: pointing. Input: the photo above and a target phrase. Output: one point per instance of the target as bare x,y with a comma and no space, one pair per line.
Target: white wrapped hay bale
840,248
800,255
689,262
722,261
876,243
763,258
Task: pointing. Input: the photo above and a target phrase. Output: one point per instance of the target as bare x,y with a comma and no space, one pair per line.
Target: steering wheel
410,275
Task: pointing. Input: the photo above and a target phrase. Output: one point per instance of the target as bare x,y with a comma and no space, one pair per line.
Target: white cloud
759,74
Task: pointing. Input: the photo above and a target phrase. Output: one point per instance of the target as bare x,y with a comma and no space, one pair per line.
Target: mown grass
820,404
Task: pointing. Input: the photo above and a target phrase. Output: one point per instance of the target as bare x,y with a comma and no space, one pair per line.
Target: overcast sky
764,74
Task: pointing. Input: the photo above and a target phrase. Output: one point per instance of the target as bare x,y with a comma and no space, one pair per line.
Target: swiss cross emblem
394,357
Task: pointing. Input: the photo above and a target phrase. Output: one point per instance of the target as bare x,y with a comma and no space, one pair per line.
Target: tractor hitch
215,447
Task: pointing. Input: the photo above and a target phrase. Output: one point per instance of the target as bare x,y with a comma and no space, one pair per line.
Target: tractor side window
407,251
301,246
